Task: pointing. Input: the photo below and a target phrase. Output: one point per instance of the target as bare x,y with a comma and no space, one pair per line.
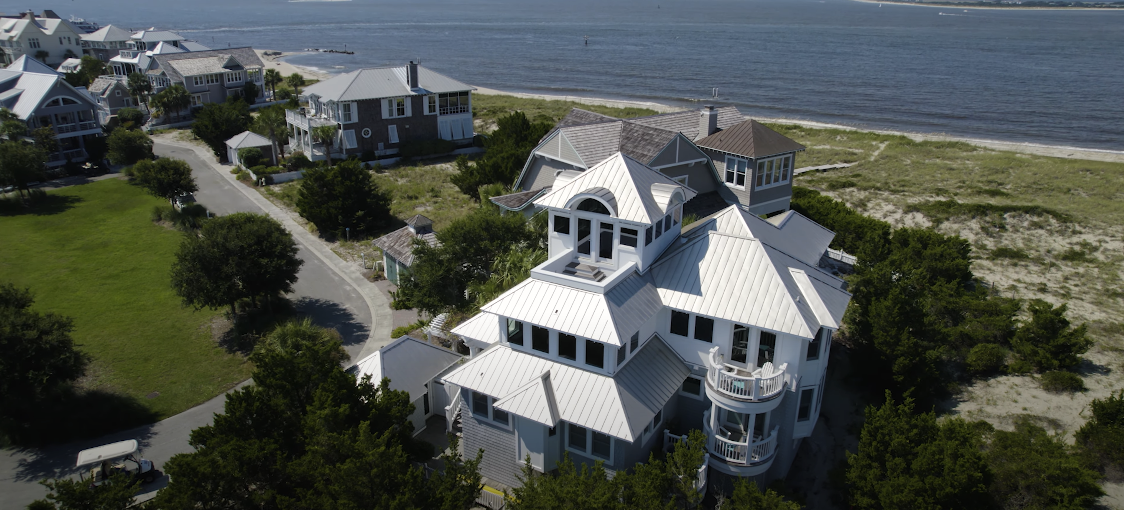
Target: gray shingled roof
400,244
102,84
577,117
245,56
750,139
516,201
382,82
199,66
687,122
420,222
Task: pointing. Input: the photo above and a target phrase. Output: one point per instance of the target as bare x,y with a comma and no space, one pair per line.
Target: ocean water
1052,77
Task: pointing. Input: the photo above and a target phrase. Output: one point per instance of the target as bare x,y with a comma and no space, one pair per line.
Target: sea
1053,77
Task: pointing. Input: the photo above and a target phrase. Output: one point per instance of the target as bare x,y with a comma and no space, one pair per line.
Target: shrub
298,161
250,156
367,155
190,217
243,175
986,358
1102,437
1048,342
421,148
343,197
130,117
1058,381
1033,469
127,147
401,331
1004,252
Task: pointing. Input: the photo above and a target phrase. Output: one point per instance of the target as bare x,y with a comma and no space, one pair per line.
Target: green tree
270,122
76,79
131,118
506,151
1033,469
746,496
66,494
250,156
45,139
92,67
341,197
326,134
468,249
139,87
272,79
1048,341
908,460
20,163
172,99
215,123
1102,437
250,92
571,488
11,127
296,81
239,256
126,147
165,178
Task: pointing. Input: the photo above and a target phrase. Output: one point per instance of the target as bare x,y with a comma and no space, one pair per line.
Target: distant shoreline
952,5
1057,151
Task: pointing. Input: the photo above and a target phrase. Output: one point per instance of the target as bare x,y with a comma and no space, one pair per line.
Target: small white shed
412,366
248,139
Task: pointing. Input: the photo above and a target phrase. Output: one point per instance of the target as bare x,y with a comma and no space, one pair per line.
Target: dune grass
1080,190
94,254
488,108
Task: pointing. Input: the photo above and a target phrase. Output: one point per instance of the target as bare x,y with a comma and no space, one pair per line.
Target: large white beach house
638,327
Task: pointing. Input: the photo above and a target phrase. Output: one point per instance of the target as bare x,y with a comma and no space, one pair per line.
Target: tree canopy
296,81
173,99
270,122
20,164
1048,341
306,434
68,494
215,123
234,257
506,151
343,196
165,178
127,147
1102,437
139,87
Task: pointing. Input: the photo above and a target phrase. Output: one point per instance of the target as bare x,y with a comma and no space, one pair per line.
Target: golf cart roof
107,452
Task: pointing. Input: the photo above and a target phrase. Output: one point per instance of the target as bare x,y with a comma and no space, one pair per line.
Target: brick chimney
708,121
412,75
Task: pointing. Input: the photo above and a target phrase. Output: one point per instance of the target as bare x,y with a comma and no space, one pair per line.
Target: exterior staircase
586,271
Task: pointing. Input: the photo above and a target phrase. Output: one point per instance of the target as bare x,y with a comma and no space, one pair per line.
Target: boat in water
83,25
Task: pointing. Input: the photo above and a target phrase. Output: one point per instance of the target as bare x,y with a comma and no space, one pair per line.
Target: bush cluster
1059,381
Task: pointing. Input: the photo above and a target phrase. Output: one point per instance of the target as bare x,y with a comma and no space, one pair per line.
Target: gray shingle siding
541,173
499,461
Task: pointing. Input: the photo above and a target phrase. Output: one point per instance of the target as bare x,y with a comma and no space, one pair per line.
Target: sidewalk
377,302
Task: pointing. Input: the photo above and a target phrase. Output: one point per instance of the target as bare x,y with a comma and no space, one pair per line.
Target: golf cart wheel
149,477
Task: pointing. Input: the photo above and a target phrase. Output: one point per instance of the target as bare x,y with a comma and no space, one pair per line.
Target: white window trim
776,183
746,176
691,395
353,113
811,405
490,420
588,453
427,109
390,110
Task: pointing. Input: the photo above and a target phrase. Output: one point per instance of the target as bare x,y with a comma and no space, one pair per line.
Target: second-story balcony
763,383
75,127
452,110
739,449
301,119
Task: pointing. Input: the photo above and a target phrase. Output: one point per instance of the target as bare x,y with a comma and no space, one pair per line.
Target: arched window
594,206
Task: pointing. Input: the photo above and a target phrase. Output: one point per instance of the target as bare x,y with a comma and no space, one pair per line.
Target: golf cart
121,457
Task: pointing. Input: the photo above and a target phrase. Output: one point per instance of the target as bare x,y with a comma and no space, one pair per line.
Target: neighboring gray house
143,45
638,329
40,97
106,42
248,139
666,142
398,246
111,94
210,76
415,367
379,109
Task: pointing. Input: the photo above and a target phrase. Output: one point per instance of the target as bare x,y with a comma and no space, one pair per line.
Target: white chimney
708,122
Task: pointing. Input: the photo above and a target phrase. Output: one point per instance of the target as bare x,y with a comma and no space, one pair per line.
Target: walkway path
329,290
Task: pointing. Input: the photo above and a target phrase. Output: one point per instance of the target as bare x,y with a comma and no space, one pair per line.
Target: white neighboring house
70,65
45,37
415,367
41,97
106,42
143,45
636,324
377,110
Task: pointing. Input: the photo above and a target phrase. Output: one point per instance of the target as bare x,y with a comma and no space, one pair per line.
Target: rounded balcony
738,455
745,391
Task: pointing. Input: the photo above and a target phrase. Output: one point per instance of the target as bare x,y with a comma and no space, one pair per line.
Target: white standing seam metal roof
37,81
482,327
107,452
812,295
534,401
737,279
618,406
248,139
623,182
609,318
382,82
798,236
108,33
409,363
156,35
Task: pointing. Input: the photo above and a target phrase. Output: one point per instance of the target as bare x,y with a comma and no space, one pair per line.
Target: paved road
320,292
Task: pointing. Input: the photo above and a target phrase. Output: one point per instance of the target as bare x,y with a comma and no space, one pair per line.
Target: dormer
616,214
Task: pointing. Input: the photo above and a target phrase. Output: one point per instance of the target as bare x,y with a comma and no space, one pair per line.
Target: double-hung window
198,81
735,171
567,346
431,104
346,112
577,437
804,412
602,446
394,108
485,407
480,404
634,342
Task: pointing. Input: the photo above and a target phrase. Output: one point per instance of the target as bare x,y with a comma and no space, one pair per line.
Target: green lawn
1081,189
105,264
488,108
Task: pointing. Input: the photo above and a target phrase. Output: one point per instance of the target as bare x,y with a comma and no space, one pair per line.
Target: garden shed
245,140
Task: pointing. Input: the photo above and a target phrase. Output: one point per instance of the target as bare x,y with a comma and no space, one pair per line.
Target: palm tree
326,134
176,98
272,79
296,81
271,122
140,87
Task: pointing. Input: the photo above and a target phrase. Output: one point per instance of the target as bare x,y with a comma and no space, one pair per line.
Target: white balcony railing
452,110
763,383
747,453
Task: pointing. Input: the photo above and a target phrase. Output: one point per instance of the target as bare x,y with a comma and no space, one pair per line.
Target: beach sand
982,7
285,68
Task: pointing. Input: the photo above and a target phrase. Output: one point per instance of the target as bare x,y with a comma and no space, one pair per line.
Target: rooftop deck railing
761,384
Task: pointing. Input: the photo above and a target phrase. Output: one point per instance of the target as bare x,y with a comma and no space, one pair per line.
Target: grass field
96,256
486,109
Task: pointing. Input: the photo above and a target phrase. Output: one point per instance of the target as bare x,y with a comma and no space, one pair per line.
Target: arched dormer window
594,206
